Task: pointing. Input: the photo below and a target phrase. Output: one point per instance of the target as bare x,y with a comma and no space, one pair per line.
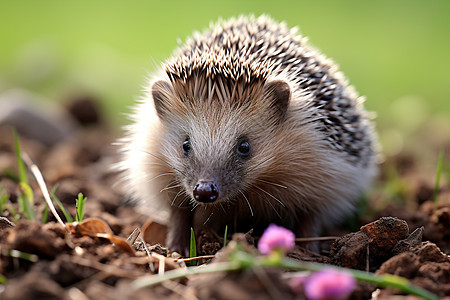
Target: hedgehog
244,126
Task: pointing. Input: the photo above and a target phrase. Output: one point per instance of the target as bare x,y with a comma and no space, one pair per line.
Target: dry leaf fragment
119,242
154,233
97,228
89,227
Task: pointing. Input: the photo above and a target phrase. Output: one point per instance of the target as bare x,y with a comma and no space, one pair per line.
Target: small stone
85,109
46,123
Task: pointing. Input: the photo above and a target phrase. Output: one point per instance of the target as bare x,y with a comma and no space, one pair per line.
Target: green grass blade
192,248
3,198
26,202
22,255
45,214
225,236
61,206
25,197
3,279
13,212
20,163
80,207
438,175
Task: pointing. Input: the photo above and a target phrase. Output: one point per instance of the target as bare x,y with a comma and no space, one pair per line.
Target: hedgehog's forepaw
178,236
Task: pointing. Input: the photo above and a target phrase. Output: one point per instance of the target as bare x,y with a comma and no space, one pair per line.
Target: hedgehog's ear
161,92
279,93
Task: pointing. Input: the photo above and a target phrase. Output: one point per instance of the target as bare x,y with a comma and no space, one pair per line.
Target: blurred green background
396,53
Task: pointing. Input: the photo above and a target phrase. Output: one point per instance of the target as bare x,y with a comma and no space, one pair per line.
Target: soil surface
399,231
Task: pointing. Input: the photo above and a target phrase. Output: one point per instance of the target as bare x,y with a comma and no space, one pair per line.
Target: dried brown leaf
154,233
89,227
97,228
119,242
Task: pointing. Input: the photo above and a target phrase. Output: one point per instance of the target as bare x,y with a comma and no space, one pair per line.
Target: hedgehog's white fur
316,162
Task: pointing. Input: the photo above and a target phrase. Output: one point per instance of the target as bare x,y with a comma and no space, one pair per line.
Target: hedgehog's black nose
206,192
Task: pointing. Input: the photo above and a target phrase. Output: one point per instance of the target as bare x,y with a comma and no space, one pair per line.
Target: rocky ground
400,230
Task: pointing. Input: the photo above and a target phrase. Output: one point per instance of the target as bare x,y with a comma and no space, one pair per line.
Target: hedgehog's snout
206,191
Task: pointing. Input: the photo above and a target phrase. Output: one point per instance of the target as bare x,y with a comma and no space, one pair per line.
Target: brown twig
161,264
194,258
316,239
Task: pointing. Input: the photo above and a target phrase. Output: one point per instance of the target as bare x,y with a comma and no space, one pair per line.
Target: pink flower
276,237
329,283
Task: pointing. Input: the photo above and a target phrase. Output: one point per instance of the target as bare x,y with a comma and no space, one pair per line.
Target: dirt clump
425,266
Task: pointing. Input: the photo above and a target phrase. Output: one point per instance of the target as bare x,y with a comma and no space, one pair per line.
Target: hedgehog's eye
243,148
186,146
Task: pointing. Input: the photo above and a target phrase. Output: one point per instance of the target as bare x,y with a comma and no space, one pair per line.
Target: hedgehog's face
212,158
213,147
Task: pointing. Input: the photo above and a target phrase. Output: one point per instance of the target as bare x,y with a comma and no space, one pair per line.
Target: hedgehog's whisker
195,206
208,218
269,194
248,203
160,175
263,162
168,186
270,204
273,183
163,160
274,209
152,163
154,155
176,196
184,199
222,207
